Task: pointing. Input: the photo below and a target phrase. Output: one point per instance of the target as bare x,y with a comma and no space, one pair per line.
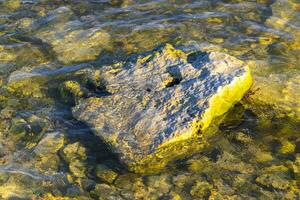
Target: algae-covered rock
104,191
78,168
277,83
150,107
243,138
75,155
74,151
10,5
71,40
287,147
285,15
17,54
47,160
232,163
280,92
296,168
74,88
201,190
50,144
158,185
132,186
19,185
273,181
105,174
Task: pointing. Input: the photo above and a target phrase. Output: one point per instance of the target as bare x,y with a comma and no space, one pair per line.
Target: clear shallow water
46,153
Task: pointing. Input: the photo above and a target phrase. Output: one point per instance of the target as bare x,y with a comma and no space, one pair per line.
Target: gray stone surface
160,98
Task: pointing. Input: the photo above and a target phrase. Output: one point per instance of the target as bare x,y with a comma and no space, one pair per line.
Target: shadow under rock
44,47
98,152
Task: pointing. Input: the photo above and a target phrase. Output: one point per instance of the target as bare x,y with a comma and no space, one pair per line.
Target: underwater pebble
50,144
71,41
242,137
107,192
105,174
78,168
273,180
74,151
201,190
287,147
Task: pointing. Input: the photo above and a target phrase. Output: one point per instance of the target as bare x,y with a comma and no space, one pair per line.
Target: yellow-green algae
191,141
12,5
74,87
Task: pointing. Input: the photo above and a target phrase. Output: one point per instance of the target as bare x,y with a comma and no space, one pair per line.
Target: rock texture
149,107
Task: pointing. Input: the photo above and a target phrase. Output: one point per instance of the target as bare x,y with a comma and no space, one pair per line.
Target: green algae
74,88
11,5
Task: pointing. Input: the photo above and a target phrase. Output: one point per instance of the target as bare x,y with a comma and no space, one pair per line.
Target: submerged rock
105,174
50,144
74,151
285,15
16,55
47,160
280,92
78,168
72,41
149,109
273,180
201,190
10,5
158,185
277,81
104,191
287,147
75,155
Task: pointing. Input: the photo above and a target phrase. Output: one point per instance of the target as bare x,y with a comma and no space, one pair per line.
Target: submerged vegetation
51,56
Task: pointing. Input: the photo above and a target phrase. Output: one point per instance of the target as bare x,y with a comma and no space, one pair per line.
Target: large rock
151,107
